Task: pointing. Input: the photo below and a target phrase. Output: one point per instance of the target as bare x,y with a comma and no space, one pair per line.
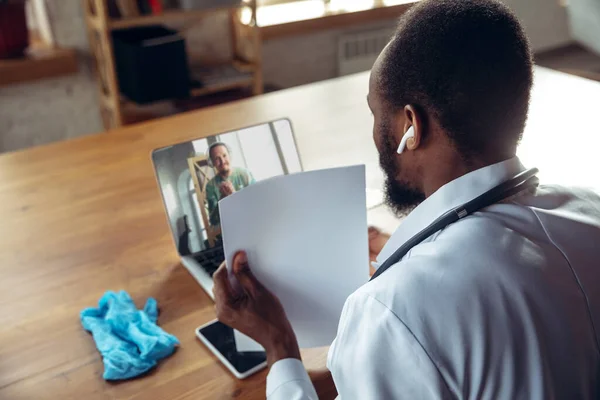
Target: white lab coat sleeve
288,380
376,356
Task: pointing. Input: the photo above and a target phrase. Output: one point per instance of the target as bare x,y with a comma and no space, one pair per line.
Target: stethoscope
522,182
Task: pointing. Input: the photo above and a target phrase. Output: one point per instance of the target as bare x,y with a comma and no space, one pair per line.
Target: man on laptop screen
228,179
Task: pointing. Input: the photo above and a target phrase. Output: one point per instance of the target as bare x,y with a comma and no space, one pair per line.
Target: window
275,12
271,2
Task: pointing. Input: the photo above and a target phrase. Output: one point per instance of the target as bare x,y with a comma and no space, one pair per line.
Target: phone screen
221,337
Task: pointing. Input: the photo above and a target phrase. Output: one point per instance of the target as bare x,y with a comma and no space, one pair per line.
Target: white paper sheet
306,239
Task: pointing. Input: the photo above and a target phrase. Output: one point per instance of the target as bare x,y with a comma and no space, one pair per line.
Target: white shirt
503,304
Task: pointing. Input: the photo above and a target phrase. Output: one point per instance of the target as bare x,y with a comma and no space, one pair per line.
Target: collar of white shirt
451,195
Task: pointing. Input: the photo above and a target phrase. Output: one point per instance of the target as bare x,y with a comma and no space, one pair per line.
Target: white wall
584,16
296,60
545,21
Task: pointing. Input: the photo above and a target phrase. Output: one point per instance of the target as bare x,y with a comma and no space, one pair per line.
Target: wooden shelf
167,16
201,91
244,66
218,87
244,45
239,65
39,62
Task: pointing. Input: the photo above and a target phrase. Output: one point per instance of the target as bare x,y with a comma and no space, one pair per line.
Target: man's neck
225,175
452,166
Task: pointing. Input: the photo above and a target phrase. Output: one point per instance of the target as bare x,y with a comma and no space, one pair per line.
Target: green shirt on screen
239,178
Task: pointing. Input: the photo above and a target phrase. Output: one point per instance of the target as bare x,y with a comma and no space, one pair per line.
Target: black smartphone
219,339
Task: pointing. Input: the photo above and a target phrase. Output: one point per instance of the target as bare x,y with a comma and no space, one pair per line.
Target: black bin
151,64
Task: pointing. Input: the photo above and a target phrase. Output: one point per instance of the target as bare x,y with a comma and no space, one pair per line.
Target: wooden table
84,216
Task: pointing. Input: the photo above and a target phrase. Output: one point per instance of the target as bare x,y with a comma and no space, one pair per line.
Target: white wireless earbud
410,133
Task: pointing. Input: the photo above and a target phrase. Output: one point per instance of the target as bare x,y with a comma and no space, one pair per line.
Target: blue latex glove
129,340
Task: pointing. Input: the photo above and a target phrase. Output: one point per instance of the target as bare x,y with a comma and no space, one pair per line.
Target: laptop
193,177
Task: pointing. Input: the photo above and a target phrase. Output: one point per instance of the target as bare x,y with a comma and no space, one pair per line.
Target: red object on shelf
14,36
156,6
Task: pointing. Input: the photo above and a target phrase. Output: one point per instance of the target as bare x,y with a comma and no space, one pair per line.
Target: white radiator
358,51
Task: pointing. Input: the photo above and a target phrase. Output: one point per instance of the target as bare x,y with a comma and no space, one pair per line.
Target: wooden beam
38,63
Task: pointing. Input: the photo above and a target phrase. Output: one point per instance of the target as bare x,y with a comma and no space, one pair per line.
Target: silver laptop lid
193,176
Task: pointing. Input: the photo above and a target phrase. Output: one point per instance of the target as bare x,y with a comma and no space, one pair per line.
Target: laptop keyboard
211,259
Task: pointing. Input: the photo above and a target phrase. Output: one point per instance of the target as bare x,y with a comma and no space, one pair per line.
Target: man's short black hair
467,63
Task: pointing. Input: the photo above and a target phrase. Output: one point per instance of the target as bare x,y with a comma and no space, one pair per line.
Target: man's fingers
222,286
373,232
224,295
245,277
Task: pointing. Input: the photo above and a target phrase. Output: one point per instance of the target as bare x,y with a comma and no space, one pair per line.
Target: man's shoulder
451,270
442,293
579,192
240,171
569,200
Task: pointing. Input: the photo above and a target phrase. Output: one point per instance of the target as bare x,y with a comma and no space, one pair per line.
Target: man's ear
413,118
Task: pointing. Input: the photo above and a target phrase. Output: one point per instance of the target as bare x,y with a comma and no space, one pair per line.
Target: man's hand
255,311
377,240
226,188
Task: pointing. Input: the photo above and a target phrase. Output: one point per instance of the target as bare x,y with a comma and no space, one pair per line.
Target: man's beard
400,197
225,171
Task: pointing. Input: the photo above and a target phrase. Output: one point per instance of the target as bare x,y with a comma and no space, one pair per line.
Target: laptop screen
195,175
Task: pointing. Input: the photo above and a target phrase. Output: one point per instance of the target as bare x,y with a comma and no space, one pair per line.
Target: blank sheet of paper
306,239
